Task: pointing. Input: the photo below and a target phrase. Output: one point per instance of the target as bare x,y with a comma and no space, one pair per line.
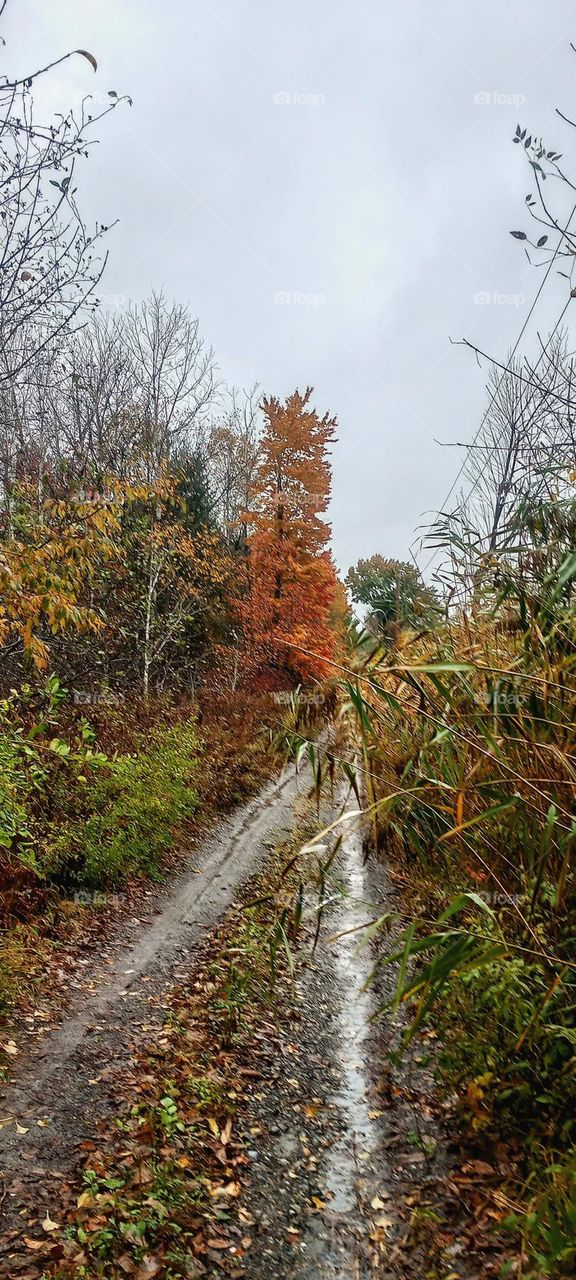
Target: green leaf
463,900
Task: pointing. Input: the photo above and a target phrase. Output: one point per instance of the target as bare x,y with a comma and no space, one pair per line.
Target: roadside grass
465,755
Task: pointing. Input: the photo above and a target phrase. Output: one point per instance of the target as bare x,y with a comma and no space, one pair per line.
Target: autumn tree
291,577
48,567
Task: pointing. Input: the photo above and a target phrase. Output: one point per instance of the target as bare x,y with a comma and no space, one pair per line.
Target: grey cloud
355,158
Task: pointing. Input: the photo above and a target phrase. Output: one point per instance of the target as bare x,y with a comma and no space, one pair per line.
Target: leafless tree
231,448
50,262
518,467
176,375
524,451
98,426
124,395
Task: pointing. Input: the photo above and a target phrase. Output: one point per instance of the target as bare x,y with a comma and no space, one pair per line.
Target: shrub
508,1045
136,805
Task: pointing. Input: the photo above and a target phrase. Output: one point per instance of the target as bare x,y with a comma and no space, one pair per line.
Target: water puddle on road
350,1167
316,1137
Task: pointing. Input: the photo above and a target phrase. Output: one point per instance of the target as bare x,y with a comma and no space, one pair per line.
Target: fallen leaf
149,1267
160,1208
380,1231
478,1166
226,1132
126,1264
49,1225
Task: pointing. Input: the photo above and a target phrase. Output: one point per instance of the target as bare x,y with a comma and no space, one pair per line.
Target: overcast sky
330,186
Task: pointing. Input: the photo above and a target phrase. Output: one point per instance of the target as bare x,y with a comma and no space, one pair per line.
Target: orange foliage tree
292,587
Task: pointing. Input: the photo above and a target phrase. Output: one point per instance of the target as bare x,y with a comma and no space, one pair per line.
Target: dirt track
332,1162
62,1089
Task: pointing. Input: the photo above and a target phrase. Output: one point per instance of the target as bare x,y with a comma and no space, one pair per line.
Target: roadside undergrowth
92,811
465,745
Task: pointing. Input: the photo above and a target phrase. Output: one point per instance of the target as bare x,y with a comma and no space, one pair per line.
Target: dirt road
330,1160
53,1102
